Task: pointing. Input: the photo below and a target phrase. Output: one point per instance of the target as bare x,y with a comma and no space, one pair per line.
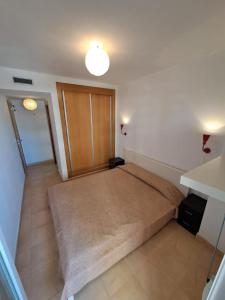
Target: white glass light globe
30,104
97,61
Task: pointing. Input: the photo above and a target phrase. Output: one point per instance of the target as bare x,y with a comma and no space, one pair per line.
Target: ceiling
141,36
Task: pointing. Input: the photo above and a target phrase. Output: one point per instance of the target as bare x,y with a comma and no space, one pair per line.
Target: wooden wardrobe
88,123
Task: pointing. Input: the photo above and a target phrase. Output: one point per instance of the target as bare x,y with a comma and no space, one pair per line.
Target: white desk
209,178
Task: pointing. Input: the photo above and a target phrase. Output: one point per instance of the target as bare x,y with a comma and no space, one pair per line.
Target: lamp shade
30,104
97,60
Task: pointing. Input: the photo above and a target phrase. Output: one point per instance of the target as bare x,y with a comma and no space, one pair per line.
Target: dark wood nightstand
117,161
191,211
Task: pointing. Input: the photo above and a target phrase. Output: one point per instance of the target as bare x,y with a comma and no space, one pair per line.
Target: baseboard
40,163
87,173
162,169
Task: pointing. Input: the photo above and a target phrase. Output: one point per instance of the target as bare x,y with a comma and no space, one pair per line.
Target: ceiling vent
22,80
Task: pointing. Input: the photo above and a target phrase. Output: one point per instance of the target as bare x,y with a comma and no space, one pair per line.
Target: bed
100,218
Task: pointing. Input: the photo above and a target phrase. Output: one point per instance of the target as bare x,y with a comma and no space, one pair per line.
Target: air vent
22,80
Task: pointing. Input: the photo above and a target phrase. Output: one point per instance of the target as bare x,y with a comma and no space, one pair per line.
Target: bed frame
162,169
166,171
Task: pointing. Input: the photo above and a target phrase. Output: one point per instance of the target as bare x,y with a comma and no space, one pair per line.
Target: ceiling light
97,59
30,104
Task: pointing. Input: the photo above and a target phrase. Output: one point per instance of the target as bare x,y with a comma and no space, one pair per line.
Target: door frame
50,131
17,135
16,132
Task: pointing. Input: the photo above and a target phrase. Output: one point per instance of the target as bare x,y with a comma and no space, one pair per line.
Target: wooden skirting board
88,173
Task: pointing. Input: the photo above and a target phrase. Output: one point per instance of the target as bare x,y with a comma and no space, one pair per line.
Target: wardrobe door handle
188,212
187,224
110,126
92,129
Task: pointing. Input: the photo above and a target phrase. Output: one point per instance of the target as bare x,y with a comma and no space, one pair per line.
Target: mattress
100,218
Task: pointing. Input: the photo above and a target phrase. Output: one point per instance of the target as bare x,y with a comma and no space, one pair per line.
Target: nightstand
191,211
116,162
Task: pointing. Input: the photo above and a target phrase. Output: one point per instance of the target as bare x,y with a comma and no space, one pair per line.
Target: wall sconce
205,138
121,129
125,121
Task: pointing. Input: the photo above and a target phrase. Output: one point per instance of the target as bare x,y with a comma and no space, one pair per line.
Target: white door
34,132
10,285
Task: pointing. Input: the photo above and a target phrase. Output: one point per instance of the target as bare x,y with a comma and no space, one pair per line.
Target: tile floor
171,265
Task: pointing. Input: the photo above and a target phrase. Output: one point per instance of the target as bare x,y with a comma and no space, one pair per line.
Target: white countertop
209,178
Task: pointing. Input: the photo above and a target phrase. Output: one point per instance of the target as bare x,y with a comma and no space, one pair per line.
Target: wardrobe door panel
88,125
78,114
102,128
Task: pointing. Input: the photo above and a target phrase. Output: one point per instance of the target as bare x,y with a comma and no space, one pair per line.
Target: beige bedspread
100,218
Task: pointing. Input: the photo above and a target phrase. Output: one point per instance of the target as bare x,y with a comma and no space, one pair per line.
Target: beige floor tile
25,227
37,190
93,291
39,203
154,282
194,281
25,237
42,234
26,281
52,181
163,237
136,260
27,202
202,254
171,265
46,281
23,260
40,218
116,277
179,294
131,290
168,262
43,253
56,297
23,246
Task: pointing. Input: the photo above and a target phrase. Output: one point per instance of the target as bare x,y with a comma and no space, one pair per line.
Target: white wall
217,290
45,83
11,273
34,132
168,110
212,221
11,180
